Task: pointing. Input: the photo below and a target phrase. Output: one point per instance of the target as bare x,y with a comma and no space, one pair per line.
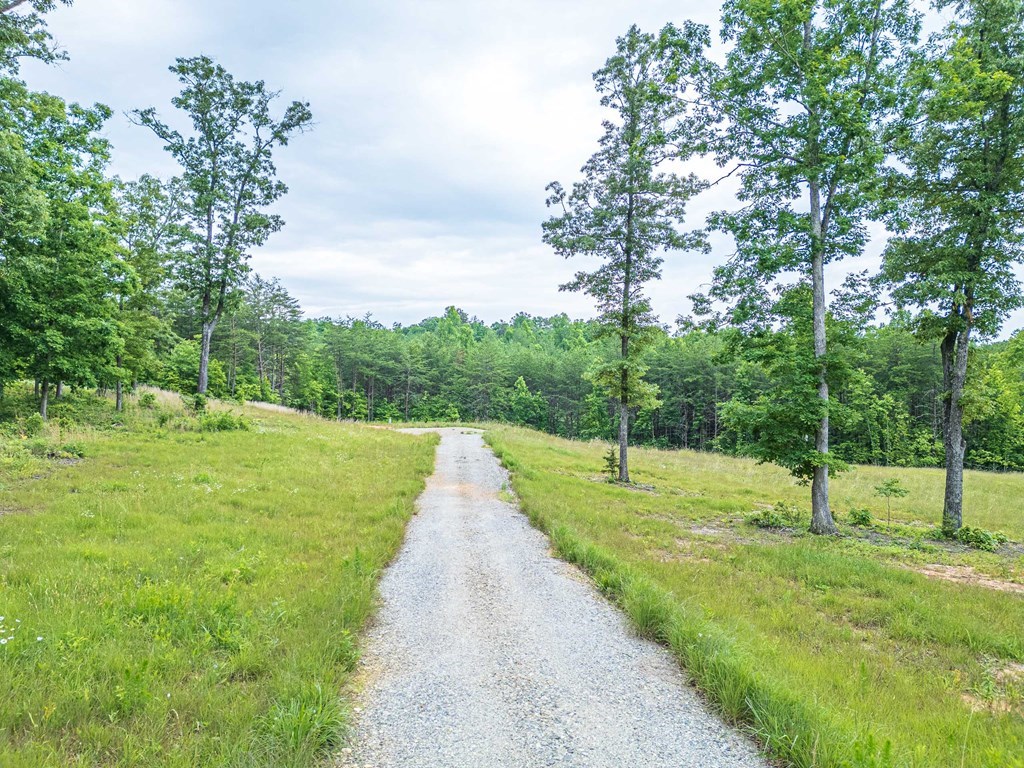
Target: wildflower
39,639
3,641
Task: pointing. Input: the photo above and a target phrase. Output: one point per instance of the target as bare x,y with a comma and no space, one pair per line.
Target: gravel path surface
488,652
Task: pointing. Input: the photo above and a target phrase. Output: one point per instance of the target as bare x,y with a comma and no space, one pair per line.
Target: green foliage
626,210
979,538
147,400
195,404
611,464
889,490
223,421
860,516
33,425
229,181
781,515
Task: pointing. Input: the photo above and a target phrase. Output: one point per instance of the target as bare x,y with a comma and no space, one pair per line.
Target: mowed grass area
181,597
834,652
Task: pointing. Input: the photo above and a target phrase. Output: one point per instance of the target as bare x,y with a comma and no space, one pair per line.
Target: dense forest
830,118
535,371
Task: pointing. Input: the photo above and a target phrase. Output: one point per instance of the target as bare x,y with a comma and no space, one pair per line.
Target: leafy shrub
195,404
147,400
860,517
223,421
782,515
72,450
979,538
34,425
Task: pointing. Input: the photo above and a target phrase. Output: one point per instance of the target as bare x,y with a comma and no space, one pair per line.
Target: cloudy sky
438,125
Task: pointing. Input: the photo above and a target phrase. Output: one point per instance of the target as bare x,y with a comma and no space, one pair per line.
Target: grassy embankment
834,652
179,595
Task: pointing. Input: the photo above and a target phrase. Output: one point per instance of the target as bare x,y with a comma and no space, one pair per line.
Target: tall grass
832,652
182,597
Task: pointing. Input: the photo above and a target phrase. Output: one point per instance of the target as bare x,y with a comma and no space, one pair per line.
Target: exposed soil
965,574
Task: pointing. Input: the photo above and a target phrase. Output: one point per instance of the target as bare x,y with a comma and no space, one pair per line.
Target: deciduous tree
229,179
805,91
962,218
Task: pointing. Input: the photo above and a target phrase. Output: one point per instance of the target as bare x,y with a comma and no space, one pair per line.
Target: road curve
490,653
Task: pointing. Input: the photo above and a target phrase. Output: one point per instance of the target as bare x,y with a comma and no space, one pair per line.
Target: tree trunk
60,391
119,390
624,418
954,375
821,515
44,399
204,355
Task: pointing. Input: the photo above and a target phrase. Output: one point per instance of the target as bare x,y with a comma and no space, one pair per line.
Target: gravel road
490,653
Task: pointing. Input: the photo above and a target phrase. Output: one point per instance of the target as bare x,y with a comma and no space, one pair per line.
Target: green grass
834,652
181,597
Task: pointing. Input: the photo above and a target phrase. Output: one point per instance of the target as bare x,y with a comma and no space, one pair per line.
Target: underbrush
187,591
834,652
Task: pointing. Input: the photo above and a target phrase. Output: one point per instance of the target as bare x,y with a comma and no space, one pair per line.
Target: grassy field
183,591
834,652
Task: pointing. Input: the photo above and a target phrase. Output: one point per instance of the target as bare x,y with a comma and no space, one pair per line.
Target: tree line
827,114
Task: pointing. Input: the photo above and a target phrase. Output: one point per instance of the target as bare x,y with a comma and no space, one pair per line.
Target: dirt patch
1009,673
965,574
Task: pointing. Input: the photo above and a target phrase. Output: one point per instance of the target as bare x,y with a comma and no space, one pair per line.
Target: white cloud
439,122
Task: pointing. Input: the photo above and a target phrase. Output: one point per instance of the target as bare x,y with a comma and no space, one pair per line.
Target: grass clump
835,653
195,594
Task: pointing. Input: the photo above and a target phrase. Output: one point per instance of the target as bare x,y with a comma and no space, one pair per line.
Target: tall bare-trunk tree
626,209
230,180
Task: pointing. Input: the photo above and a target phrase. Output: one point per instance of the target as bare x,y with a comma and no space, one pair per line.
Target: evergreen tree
626,210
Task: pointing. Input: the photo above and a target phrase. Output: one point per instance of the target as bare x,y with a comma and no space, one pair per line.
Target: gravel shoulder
488,651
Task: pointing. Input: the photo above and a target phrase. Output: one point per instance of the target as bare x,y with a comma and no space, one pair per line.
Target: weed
860,516
223,421
979,538
782,515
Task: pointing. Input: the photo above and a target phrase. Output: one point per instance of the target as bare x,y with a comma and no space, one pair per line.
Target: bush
223,421
979,538
860,517
34,425
195,404
782,515
147,400
72,450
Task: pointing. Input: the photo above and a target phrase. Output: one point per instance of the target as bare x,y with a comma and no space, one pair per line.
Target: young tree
626,210
229,179
962,219
805,91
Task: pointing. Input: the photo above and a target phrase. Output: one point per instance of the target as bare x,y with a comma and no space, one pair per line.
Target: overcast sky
438,125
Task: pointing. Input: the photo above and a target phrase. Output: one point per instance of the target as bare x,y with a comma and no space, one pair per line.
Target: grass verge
178,590
832,652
